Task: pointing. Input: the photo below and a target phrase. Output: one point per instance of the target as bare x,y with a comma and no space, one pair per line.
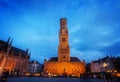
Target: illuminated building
64,64
13,59
102,65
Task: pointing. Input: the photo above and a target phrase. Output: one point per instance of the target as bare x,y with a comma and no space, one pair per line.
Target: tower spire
27,50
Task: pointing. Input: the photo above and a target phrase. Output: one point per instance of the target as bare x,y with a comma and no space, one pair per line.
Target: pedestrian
4,76
109,77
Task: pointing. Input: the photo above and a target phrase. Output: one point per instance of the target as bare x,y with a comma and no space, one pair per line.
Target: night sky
94,26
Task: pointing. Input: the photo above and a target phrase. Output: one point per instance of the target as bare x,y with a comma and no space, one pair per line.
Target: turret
8,41
27,50
11,42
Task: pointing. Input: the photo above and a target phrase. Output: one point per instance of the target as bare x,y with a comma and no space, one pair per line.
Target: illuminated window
63,56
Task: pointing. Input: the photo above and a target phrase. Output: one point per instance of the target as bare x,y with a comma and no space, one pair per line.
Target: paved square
39,79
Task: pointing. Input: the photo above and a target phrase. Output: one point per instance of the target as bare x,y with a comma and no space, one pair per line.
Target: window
63,39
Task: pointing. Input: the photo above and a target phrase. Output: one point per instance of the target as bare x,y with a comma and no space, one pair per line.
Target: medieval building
13,59
64,64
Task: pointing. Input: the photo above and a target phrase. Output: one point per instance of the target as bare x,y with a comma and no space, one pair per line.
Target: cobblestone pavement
39,79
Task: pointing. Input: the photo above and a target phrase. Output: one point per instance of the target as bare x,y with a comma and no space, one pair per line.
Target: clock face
63,39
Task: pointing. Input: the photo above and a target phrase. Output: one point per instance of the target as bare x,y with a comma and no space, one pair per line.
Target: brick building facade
13,59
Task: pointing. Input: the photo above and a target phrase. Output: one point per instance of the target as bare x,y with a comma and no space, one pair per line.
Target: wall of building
13,59
102,65
13,64
59,68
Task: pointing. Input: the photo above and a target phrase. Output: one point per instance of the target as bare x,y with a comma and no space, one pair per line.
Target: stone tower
63,48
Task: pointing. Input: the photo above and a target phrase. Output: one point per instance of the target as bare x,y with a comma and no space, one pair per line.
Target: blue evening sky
94,26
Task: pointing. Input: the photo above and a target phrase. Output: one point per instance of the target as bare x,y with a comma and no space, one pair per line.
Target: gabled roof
107,58
34,61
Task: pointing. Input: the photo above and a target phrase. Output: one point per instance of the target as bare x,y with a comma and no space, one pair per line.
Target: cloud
93,26
86,55
113,50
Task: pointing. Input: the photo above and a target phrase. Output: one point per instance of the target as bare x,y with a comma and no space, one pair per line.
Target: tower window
63,39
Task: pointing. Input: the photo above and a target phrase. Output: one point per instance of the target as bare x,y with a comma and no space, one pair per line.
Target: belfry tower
63,48
64,64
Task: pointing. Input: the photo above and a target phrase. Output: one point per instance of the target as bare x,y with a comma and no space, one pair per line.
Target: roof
16,51
3,45
107,58
72,59
34,61
53,59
